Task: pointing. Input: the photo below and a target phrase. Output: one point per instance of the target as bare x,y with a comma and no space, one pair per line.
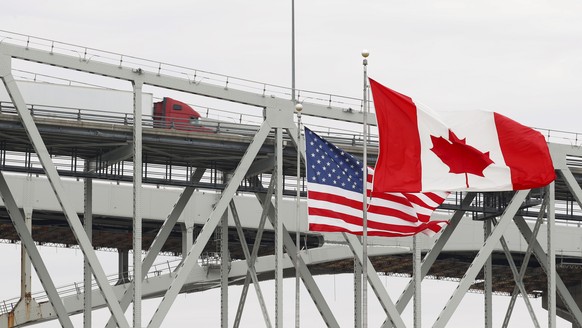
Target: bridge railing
194,76
333,134
77,288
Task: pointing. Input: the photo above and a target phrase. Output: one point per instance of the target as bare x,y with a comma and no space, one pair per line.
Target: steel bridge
225,198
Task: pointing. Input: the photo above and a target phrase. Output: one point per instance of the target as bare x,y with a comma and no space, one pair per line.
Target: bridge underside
223,168
95,140
51,229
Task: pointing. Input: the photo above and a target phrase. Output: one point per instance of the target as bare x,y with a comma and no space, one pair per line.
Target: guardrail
196,76
77,288
191,74
202,125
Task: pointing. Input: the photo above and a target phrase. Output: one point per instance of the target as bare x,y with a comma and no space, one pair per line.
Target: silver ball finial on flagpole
365,54
298,108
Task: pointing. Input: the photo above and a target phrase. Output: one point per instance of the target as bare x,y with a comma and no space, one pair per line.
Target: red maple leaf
460,157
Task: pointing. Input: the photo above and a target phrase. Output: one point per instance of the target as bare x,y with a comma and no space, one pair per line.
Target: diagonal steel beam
375,282
33,253
115,156
261,166
306,276
256,246
434,252
517,278
543,261
55,182
161,238
525,261
308,281
572,184
205,234
480,259
250,263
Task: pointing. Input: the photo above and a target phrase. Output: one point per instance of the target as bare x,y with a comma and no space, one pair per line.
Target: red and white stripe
334,209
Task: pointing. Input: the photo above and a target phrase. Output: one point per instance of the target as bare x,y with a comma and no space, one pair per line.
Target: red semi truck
173,114
57,99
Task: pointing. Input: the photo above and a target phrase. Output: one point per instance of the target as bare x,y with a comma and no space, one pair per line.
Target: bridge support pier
187,235
122,266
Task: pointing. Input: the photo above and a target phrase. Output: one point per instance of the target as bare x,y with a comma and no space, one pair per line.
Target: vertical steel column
538,251
551,257
250,258
122,266
306,276
525,262
279,230
184,269
55,182
161,238
417,277
480,259
309,282
518,279
432,255
137,199
187,236
224,263
26,238
487,283
374,280
88,224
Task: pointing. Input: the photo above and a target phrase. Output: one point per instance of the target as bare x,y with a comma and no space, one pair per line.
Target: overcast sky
520,58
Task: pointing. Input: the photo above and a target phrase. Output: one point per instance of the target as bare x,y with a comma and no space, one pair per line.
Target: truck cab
173,114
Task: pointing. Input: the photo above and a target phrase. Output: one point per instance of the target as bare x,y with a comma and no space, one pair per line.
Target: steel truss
278,118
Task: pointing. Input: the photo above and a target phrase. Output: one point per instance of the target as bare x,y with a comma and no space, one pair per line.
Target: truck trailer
59,98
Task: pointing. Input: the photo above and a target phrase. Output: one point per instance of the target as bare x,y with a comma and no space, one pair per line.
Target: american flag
335,201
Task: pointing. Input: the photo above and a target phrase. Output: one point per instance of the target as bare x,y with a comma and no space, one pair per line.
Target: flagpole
298,109
365,55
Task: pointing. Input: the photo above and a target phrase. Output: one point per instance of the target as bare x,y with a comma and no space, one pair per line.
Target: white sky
520,58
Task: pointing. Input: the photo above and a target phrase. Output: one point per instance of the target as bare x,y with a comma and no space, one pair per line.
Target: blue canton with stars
330,165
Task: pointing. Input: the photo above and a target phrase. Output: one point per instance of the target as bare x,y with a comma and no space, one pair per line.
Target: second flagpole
365,54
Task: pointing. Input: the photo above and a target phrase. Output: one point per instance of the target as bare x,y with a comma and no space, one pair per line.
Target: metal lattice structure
230,164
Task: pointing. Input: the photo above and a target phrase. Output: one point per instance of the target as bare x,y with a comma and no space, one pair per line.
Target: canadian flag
421,151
